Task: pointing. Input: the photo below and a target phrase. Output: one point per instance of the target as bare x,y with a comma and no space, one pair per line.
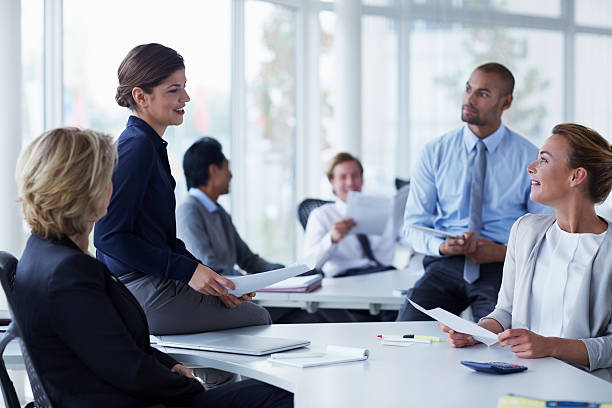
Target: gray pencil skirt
173,307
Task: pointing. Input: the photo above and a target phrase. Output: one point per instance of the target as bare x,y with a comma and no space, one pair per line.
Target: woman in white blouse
556,294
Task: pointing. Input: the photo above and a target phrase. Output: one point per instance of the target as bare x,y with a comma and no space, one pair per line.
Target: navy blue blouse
138,234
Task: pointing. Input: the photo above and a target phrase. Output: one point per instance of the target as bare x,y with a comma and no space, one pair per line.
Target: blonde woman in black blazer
86,332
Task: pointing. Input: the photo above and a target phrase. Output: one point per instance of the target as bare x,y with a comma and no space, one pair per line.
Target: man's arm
421,206
318,246
192,229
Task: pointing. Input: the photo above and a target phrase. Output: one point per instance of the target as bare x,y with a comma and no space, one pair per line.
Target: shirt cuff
501,316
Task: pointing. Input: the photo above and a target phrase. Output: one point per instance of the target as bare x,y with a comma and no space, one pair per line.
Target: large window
379,103
269,173
443,56
32,106
415,58
94,48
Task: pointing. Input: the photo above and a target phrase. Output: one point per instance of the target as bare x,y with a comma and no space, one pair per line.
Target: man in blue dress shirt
471,182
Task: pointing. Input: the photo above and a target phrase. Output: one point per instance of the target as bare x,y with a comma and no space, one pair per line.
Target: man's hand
459,246
340,228
208,282
525,343
487,251
232,301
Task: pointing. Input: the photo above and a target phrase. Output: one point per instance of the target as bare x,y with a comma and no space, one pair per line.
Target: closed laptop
231,343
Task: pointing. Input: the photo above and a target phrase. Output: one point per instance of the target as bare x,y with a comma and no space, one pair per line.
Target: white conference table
421,375
373,292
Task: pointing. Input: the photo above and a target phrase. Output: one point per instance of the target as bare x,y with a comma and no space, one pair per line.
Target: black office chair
306,207
399,183
8,269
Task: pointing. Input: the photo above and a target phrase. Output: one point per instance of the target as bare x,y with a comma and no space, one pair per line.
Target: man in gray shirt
203,225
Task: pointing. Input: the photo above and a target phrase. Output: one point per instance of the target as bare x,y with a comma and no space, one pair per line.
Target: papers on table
331,355
252,283
460,325
370,213
297,284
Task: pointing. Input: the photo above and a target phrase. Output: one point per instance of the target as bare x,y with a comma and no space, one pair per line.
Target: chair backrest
8,270
306,207
399,183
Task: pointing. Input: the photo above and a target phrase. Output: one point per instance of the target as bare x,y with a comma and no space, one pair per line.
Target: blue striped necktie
471,271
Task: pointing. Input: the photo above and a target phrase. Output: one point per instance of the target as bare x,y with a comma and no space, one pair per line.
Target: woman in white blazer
556,294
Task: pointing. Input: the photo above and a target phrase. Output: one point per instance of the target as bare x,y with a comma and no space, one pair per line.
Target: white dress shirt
563,262
333,259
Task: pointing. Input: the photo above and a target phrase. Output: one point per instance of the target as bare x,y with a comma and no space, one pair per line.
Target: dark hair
589,150
145,67
198,157
504,74
341,158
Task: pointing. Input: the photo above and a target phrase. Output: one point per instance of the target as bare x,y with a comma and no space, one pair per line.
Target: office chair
306,207
399,183
8,270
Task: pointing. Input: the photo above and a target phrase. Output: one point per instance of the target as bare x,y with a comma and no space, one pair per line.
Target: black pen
418,336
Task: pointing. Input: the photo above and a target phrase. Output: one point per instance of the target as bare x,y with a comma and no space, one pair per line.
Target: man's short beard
472,121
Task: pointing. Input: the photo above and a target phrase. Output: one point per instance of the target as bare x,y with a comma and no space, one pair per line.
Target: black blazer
87,334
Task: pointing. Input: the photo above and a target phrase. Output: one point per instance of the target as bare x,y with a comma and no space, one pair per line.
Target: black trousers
443,286
243,394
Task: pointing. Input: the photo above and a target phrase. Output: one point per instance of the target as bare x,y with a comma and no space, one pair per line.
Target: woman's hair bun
120,99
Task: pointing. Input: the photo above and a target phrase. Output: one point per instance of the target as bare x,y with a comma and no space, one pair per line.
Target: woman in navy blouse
137,238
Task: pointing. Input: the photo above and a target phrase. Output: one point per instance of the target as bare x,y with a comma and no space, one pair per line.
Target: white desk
372,292
423,375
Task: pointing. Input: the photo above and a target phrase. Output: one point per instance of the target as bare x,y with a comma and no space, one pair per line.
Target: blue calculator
494,367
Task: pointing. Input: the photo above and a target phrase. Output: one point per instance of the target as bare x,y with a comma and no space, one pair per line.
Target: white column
402,151
308,136
11,233
348,62
54,64
308,101
238,118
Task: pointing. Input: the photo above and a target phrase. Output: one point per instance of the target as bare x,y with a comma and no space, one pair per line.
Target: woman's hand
233,301
525,343
186,372
208,282
456,339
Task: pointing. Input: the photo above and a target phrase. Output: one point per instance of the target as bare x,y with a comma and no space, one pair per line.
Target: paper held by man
370,213
459,325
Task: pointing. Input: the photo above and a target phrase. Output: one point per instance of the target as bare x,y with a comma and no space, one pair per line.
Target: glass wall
32,74
442,56
270,137
415,58
200,32
379,87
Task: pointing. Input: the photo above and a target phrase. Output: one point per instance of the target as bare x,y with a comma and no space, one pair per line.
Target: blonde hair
63,178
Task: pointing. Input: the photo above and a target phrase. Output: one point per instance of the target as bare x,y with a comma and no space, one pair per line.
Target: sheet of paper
460,325
371,213
251,283
296,282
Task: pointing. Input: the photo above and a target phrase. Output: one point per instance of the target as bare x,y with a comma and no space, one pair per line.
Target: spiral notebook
331,355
